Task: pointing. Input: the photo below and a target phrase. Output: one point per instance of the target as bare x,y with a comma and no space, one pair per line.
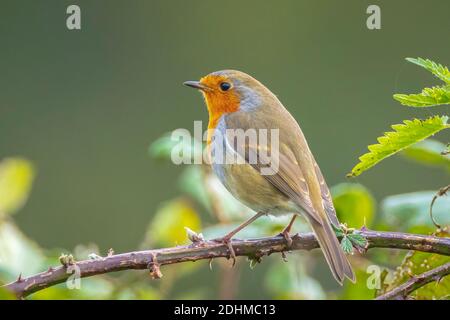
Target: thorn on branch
256,258
210,263
94,256
110,252
154,268
49,271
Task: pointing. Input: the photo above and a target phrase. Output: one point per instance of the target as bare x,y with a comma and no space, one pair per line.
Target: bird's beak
196,85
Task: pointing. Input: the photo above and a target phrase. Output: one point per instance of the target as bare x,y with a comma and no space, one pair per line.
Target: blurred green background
84,105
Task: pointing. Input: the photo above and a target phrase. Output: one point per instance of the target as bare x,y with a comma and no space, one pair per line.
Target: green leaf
6,295
182,146
18,254
338,231
347,245
354,204
359,290
429,97
292,280
410,212
161,148
193,181
357,239
167,227
16,177
405,135
428,152
437,69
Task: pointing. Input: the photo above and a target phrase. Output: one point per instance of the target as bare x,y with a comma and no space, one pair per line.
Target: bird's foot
227,242
287,237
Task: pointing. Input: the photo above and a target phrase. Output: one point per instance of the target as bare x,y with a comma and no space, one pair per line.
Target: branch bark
416,282
252,248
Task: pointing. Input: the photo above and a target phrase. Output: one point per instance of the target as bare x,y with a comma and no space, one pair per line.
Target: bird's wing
299,178
326,197
287,176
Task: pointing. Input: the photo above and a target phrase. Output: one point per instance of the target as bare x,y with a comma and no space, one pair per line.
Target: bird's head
229,91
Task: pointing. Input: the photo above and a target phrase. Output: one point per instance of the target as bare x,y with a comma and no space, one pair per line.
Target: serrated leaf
437,69
357,239
429,97
405,135
338,231
347,245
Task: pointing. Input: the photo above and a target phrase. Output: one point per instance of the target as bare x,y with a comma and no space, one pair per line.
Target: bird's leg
285,232
227,238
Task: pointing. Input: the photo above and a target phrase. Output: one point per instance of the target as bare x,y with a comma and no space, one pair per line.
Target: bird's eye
224,86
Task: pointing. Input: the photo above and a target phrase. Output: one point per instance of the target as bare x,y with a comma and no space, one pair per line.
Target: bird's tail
335,256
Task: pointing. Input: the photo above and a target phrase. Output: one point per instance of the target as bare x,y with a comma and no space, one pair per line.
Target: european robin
237,101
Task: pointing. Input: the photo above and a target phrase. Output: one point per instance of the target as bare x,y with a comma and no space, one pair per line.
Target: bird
237,101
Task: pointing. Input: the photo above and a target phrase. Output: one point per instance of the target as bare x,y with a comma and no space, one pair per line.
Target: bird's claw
287,237
227,242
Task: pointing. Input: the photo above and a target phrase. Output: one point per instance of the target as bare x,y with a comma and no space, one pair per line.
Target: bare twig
402,291
442,192
154,259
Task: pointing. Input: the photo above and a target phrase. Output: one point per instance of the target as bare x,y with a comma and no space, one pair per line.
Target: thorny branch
200,250
402,291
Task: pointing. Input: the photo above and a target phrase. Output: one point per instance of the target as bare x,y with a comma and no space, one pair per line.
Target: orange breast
218,102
